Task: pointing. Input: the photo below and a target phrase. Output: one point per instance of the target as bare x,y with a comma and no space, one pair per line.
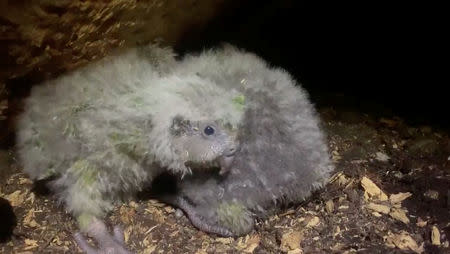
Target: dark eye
208,130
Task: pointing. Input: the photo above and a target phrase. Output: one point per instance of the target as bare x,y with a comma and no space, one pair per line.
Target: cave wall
42,38
54,35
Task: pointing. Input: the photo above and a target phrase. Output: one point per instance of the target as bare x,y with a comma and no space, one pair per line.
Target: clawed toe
83,244
200,222
108,244
118,235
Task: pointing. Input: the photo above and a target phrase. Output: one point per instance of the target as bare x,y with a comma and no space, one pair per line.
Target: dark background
375,57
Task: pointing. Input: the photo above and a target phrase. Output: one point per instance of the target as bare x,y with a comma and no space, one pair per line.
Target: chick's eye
208,130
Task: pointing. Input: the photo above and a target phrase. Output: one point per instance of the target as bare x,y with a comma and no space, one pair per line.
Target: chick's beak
227,159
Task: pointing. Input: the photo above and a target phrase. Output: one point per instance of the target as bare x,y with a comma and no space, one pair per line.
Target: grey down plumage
105,131
283,155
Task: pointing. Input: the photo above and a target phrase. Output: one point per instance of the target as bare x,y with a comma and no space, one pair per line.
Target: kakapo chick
104,131
283,154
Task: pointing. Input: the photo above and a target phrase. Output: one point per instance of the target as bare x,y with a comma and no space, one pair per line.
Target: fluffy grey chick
283,155
105,131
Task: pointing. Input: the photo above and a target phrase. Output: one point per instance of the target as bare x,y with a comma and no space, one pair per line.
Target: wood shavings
403,241
435,236
372,190
291,240
399,214
399,197
378,208
249,243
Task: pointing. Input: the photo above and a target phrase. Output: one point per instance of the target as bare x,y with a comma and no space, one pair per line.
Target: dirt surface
390,194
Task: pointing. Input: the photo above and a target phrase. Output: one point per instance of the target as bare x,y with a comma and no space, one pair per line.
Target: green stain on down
130,150
138,101
127,144
86,172
84,220
80,108
36,142
51,171
239,102
116,137
230,212
70,129
131,136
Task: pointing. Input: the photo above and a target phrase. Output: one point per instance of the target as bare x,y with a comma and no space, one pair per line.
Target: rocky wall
41,38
